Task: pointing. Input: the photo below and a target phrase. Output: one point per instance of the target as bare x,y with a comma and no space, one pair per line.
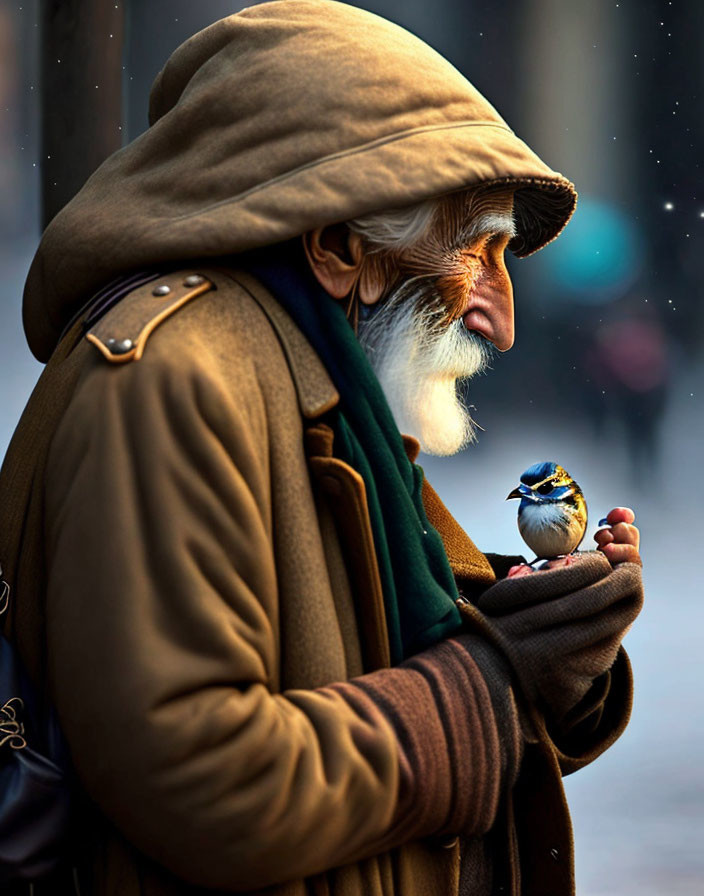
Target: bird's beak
522,491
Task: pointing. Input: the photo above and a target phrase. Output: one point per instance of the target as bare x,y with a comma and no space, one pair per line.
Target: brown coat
199,573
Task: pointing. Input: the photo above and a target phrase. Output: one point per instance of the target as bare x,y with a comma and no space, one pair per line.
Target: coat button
120,346
554,854
193,280
161,290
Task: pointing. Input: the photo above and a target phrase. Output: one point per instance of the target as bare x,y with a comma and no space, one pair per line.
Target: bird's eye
545,488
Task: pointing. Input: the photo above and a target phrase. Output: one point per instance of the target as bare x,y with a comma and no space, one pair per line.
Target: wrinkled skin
469,273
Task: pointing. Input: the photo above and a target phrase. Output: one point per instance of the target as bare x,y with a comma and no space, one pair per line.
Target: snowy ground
639,811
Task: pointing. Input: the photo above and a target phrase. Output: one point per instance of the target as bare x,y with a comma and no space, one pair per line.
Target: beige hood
283,117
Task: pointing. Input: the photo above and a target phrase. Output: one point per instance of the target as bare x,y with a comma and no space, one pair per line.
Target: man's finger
603,536
620,515
621,553
626,534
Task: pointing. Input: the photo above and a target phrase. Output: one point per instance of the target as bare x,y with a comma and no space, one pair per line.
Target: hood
279,119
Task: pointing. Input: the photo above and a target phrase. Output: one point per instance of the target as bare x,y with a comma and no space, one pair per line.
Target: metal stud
161,290
193,280
120,346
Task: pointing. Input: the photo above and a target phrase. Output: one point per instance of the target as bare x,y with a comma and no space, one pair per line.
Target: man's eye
499,242
545,488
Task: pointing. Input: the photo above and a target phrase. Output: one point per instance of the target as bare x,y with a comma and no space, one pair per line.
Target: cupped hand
620,542
561,628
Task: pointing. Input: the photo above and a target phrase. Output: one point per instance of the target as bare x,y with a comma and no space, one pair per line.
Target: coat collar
316,391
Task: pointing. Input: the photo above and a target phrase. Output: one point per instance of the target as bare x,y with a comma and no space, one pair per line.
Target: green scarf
418,584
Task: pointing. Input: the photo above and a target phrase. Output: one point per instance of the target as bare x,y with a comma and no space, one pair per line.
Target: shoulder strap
122,333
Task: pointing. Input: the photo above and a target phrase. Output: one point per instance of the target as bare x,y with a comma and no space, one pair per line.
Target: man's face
447,303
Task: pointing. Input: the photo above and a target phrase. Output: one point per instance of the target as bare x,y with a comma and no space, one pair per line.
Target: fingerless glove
561,628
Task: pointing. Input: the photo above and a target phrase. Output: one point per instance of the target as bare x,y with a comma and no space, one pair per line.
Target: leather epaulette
122,333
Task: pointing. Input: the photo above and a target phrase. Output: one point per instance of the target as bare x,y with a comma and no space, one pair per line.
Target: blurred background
607,374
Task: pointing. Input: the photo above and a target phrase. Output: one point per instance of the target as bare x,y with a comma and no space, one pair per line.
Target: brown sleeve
162,650
453,712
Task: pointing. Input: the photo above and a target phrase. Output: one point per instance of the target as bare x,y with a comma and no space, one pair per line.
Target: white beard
419,361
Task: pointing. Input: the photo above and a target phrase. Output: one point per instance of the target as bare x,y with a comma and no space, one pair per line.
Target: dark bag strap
23,462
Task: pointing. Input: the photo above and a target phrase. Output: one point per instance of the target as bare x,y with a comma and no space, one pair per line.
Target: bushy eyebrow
488,223
457,223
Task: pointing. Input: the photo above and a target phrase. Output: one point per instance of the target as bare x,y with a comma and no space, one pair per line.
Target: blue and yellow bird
552,515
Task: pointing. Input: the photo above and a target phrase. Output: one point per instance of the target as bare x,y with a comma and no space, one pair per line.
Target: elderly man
280,664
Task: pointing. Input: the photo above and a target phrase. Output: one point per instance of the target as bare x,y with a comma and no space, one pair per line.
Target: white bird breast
550,529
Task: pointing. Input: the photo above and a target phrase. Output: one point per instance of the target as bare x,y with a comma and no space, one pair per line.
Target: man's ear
336,257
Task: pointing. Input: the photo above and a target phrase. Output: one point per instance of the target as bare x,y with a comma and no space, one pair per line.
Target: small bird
552,515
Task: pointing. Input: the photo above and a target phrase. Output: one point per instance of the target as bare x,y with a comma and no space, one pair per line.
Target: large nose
490,311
